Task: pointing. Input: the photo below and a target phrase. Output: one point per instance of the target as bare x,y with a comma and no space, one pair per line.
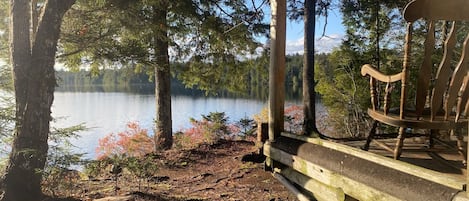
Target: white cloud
328,43
323,44
296,46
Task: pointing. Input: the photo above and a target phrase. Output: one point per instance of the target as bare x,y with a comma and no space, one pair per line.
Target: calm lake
108,112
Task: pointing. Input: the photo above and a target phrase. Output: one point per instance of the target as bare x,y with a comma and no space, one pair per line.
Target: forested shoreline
133,80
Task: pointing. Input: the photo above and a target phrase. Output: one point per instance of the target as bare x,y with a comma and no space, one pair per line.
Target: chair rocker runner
441,97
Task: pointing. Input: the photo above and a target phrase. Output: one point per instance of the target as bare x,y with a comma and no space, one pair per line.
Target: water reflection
177,89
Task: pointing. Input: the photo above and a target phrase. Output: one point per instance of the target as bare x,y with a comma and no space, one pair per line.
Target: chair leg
461,146
399,143
371,134
431,141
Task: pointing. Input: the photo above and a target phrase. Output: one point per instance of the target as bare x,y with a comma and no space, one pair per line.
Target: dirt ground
209,172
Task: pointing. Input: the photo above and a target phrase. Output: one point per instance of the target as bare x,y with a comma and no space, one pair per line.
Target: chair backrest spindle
425,72
463,103
459,73
443,73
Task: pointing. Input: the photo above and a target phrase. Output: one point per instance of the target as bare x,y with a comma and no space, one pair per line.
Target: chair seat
422,122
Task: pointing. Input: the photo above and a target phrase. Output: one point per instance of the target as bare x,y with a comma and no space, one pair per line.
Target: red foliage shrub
199,133
134,142
294,118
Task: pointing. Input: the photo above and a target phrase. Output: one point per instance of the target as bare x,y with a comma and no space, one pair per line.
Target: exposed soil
209,172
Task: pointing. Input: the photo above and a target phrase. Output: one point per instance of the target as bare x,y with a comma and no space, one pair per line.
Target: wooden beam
437,177
383,145
359,177
461,196
277,68
321,191
300,196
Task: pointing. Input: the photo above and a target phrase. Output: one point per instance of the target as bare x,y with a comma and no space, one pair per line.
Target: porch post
277,68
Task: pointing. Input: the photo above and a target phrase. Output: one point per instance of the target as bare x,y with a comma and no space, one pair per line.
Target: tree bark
163,128
309,109
33,60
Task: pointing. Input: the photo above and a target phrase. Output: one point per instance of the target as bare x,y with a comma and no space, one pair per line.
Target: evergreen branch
70,53
83,48
326,14
260,6
222,10
234,27
256,12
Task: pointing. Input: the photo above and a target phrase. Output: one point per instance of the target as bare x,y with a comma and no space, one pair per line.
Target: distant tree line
132,79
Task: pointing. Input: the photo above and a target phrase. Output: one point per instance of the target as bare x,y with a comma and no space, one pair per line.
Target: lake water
106,112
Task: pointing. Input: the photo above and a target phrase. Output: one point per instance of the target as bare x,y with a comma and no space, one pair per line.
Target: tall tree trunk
163,121
309,109
34,80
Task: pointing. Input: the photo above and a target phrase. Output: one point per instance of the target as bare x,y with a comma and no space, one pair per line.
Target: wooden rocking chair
441,98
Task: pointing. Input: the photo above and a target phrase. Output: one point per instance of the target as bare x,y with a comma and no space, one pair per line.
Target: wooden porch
342,171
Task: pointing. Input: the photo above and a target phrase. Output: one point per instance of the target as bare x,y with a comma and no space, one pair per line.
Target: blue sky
333,34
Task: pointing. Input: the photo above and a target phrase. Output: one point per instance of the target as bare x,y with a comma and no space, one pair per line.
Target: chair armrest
368,69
